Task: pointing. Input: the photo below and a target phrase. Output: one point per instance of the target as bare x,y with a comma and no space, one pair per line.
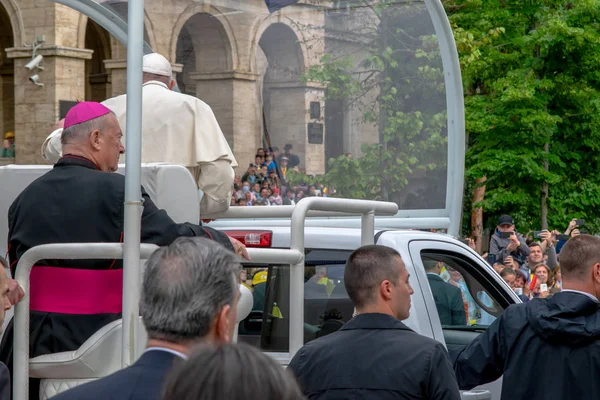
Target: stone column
289,120
118,76
232,97
37,107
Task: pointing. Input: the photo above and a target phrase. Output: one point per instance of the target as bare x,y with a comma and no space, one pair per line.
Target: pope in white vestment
178,129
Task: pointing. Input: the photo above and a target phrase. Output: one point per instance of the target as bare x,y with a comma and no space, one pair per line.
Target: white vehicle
416,138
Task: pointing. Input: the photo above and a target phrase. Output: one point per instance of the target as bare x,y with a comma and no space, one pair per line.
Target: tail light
252,238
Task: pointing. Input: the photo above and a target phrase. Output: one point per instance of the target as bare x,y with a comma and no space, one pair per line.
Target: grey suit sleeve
440,379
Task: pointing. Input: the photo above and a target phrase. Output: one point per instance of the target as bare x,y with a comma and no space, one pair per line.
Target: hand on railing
239,248
15,292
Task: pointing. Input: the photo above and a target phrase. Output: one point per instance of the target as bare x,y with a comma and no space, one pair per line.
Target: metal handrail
284,211
366,208
72,251
293,256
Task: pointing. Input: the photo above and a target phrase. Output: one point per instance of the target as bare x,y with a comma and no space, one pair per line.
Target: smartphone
506,235
563,238
491,259
537,234
543,287
580,222
519,290
583,232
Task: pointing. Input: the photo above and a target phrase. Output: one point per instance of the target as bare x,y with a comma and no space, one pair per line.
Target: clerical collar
72,159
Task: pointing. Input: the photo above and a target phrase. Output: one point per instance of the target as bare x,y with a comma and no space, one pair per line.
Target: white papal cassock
177,129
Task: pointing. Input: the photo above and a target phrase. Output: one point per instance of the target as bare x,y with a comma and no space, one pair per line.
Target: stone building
245,62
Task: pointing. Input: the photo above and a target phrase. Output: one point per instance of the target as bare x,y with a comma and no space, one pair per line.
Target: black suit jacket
142,381
448,300
375,356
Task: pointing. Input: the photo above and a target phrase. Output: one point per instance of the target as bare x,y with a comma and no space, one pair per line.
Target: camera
35,63
36,80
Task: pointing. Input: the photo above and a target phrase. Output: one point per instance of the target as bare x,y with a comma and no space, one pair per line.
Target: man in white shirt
177,129
189,296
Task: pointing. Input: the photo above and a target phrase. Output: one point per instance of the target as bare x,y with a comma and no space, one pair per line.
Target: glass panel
459,300
326,303
342,98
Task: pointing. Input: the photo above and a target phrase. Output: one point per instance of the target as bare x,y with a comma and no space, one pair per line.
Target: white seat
171,187
100,355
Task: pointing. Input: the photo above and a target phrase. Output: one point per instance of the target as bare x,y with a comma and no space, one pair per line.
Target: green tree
531,79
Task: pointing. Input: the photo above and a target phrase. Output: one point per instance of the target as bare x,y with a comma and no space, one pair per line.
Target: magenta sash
76,291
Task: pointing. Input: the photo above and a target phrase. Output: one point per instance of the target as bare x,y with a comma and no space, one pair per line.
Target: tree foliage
531,77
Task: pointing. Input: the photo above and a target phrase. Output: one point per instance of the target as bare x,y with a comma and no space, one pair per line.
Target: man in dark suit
189,296
448,298
375,355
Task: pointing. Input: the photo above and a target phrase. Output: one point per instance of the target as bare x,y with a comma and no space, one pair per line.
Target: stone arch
203,46
284,53
149,36
280,59
217,22
97,82
291,33
16,21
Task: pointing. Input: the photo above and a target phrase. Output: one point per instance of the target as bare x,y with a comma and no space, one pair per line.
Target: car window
464,295
326,303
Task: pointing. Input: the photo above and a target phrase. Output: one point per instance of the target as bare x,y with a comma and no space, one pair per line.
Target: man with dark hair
448,298
553,339
177,316
374,355
536,257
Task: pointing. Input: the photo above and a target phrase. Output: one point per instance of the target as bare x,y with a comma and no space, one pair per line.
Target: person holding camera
506,241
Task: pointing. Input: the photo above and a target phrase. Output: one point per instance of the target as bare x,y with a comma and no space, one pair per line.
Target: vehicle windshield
347,98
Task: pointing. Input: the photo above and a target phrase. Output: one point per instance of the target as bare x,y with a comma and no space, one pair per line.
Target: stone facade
233,55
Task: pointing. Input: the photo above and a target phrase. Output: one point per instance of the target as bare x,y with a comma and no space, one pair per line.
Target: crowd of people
529,263
265,182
